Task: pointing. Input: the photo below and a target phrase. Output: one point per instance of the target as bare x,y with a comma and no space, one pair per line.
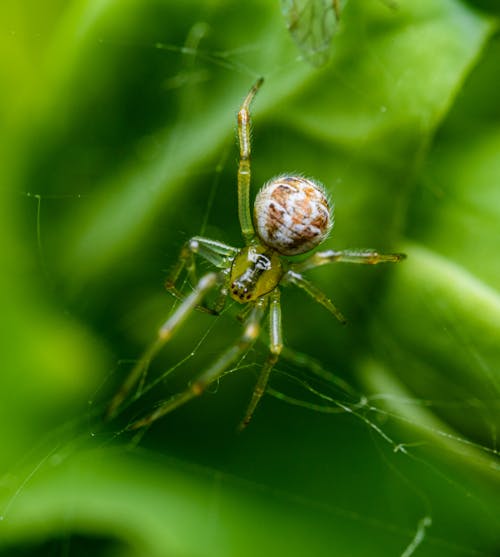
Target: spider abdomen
292,214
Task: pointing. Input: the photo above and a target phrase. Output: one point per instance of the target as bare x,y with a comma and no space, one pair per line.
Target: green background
117,134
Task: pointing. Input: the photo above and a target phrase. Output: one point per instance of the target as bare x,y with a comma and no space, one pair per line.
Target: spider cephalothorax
292,215
255,271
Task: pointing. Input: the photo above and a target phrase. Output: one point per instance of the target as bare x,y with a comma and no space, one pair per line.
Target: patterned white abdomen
292,214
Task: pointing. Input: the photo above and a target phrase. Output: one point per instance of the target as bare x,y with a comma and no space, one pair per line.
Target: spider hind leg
165,333
217,253
215,371
275,347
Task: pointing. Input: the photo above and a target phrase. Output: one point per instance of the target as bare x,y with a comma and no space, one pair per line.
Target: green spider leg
217,253
244,173
165,333
275,347
366,257
315,293
216,370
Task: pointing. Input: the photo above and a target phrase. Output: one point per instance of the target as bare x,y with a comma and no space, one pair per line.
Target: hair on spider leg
292,215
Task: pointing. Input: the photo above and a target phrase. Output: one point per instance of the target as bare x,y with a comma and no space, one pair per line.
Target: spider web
327,442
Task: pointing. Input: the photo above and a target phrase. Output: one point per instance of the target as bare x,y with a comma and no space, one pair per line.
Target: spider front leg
217,253
165,333
296,278
244,212
275,347
216,370
367,257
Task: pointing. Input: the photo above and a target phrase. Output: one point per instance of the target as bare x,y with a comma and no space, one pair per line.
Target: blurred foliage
117,124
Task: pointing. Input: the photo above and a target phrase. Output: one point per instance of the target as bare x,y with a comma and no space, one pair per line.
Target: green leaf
118,135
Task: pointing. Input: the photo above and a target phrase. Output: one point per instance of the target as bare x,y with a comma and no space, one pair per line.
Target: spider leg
367,257
165,333
244,213
216,370
275,347
315,293
217,253
311,365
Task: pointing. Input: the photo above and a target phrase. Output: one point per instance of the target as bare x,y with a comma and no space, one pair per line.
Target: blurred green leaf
117,129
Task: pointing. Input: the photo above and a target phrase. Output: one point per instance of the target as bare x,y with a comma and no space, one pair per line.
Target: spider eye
292,214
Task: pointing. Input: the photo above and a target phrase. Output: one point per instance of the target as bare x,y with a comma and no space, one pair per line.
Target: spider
292,216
